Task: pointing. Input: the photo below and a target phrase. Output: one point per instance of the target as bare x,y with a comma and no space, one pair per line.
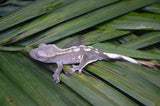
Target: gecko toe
79,71
72,70
56,78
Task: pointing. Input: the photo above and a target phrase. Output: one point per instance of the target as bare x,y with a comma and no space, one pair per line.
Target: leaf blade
143,41
134,21
89,20
127,81
35,82
56,17
28,12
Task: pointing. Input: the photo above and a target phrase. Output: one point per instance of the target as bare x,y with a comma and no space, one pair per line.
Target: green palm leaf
135,21
29,12
155,8
54,18
108,25
143,41
30,81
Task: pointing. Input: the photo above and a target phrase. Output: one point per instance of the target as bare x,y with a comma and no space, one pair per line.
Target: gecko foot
74,68
79,71
56,78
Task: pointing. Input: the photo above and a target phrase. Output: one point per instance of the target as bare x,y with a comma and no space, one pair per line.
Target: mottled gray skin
83,55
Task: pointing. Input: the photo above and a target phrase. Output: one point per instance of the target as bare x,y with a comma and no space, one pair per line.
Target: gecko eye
37,55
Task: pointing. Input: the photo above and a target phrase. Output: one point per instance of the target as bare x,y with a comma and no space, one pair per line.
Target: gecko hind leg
57,72
74,68
85,61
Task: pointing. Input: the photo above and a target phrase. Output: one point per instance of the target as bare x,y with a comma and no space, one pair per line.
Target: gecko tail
121,57
131,60
149,64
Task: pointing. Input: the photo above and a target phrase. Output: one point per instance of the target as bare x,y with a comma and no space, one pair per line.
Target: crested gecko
83,55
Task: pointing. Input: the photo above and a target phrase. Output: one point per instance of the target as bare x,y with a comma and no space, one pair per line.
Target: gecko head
43,52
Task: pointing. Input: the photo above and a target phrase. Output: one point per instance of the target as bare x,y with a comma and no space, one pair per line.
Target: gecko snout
33,54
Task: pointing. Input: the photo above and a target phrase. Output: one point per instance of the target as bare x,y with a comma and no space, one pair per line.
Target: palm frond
114,26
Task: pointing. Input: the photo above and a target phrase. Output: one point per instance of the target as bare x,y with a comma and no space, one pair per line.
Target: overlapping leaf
54,18
143,41
155,8
127,79
97,35
29,12
34,86
89,20
134,21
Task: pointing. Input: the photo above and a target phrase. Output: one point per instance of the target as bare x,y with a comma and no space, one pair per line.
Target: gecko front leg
57,72
84,61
